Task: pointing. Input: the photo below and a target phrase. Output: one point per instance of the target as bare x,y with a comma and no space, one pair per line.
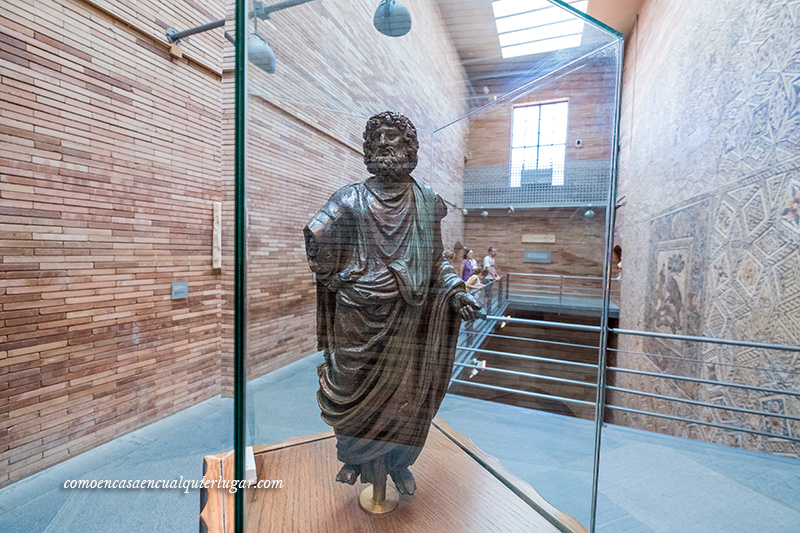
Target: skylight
535,26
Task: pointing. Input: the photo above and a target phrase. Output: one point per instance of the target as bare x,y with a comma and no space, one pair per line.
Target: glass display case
515,108
368,255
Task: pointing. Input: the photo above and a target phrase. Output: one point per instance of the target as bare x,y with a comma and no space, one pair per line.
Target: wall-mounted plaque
536,256
539,238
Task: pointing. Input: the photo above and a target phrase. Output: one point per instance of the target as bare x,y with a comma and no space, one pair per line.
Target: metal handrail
692,338
619,331
701,380
541,288
639,411
522,392
528,287
543,341
561,276
561,293
546,323
702,362
529,357
527,374
561,286
671,336
703,404
703,423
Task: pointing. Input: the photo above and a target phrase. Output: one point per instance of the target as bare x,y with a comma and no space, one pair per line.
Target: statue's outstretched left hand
466,306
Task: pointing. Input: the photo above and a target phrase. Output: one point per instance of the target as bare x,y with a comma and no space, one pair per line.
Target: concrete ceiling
472,29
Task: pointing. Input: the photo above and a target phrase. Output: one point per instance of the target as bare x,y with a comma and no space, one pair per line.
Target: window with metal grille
538,144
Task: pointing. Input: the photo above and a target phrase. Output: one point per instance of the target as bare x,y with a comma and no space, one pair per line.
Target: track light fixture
392,18
260,53
258,50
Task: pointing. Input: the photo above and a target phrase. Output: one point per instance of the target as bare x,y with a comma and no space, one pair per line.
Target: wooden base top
459,488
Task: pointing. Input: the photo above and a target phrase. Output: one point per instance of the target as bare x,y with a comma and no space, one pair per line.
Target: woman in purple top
466,266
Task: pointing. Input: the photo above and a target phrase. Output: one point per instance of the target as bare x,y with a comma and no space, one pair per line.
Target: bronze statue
389,307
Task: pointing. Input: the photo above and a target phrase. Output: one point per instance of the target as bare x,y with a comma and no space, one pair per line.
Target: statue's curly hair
397,120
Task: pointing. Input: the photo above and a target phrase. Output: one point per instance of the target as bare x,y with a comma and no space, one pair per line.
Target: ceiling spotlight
464,211
260,54
589,213
258,50
484,213
392,18
511,210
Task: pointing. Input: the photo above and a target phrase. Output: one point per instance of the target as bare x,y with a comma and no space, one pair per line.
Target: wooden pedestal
459,489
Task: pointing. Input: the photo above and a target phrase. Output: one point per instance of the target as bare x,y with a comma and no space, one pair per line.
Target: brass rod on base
371,506
379,484
379,497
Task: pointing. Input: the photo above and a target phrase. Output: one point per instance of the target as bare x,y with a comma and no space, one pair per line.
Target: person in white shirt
488,264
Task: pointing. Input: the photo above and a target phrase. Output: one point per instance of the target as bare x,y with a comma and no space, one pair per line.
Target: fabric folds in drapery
384,320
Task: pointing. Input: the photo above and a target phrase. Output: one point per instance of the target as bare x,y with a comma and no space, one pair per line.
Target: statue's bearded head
390,145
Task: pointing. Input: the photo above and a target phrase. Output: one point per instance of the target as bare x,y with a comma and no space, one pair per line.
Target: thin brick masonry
112,156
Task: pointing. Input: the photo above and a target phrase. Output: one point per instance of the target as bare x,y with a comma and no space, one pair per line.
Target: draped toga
384,320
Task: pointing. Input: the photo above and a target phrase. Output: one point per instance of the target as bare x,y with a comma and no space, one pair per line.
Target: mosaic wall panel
712,177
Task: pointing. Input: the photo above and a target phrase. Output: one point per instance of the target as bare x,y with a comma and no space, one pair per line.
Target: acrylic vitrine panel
536,172
375,302
110,378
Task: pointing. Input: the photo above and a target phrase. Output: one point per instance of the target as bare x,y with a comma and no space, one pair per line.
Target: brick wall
577,250
111,155
109,162
578,246
590,93
305,142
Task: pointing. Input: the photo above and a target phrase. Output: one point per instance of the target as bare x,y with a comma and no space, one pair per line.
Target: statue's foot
348,474
404,481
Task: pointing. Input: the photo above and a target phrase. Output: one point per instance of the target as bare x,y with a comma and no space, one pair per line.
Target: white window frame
520,147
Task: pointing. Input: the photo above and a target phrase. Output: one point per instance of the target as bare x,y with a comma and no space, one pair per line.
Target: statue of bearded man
389,307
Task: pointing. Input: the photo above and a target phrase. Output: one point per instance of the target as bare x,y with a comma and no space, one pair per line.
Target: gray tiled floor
649,482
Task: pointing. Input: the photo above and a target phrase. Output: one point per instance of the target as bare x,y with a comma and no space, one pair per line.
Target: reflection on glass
538,143
520,15
511,380
117,292
389,306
